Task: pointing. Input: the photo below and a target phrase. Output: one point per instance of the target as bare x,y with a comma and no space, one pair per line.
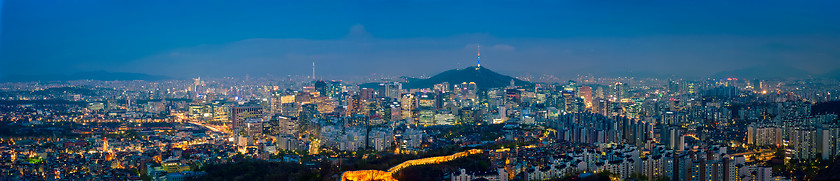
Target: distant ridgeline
484,78
99,75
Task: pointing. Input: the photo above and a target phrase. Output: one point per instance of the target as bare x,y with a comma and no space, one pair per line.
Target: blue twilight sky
220,37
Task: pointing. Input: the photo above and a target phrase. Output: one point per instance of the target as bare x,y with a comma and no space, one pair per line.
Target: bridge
366,175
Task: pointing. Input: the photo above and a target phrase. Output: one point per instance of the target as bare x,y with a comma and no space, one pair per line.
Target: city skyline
166,90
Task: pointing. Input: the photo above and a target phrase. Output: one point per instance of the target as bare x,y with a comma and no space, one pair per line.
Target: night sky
221,38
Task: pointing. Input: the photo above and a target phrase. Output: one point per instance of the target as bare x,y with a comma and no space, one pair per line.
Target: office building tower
239,114
367,94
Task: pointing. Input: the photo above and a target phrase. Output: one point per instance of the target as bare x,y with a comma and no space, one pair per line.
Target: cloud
358,31
502,47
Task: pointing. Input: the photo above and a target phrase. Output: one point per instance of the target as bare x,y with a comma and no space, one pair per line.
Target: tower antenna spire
478,56
313,68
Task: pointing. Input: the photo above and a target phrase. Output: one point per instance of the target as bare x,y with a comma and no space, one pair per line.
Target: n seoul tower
478,57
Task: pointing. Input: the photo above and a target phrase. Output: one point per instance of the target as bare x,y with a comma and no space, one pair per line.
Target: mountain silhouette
484,79
834,74
766,72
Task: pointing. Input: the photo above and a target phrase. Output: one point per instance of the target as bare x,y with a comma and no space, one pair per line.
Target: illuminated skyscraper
336,90
238,115
367,94
277,100
467,116
620,90
322,88
571,87
586,93
383,90
355,104
426,106
442,87
407,103
196,83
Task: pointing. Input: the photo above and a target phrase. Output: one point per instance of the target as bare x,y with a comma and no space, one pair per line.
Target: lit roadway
366,175
762,153
181,117
211,127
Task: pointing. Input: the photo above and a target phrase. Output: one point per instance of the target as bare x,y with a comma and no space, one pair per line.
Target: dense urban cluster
620,127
